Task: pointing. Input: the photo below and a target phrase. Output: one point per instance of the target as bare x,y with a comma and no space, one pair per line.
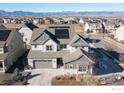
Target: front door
2,66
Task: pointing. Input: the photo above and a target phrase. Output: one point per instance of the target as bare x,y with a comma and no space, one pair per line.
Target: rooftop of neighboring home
111,22
12,26
31,26
2,27
95,24
6,36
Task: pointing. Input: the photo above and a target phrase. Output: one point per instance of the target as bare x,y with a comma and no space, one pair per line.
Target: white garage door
42,63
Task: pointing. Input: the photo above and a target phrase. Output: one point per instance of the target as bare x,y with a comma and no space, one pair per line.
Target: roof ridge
88,57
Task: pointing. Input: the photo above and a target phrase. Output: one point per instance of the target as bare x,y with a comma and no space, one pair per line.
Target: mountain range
64,13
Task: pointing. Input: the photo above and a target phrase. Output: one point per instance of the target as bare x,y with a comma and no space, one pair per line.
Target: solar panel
62,33
4,34
31,26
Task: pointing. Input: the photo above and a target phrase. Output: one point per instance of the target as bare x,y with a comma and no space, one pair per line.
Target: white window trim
82,68
49,48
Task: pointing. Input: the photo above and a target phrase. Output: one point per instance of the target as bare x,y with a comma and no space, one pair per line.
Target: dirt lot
78,28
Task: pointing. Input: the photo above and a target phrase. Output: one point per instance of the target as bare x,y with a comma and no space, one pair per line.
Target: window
49,48
70,66
1,49
1,65
22,34
63,46
82,68
35,46
25,39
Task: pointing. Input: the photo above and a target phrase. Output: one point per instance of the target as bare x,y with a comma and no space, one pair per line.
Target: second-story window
63,46
49,48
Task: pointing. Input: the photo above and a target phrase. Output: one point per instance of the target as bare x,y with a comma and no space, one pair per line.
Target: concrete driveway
43,76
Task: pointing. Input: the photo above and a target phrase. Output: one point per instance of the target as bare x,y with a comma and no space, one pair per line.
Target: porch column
3,66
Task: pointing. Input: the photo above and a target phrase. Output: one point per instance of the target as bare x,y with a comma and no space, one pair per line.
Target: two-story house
110,25
26,31
119,33
93,26
11,48
58,46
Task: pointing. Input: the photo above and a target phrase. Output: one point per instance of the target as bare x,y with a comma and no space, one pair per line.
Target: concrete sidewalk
43,76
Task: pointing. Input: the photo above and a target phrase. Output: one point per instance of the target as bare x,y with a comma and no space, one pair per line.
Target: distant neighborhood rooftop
4,34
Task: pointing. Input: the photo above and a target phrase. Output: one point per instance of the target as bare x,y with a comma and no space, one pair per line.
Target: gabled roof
78,41
2,27
77,56
41,38
4,34
95,25
52,35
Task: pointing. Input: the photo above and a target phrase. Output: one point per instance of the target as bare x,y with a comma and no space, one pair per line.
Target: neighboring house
7,20
11,48
38,20
60,46
81,21
1,20
119,33
48,20
93,26
110,25
26,31
69,20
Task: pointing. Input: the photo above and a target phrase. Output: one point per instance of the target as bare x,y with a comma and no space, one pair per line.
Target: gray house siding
74,67
75,64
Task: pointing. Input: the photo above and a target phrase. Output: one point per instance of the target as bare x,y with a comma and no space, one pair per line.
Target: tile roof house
58,46
11,48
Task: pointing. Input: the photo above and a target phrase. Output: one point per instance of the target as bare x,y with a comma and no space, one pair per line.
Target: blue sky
53,7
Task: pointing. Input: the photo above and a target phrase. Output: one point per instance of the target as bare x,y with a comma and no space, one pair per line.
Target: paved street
106,44
43,76
106,64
